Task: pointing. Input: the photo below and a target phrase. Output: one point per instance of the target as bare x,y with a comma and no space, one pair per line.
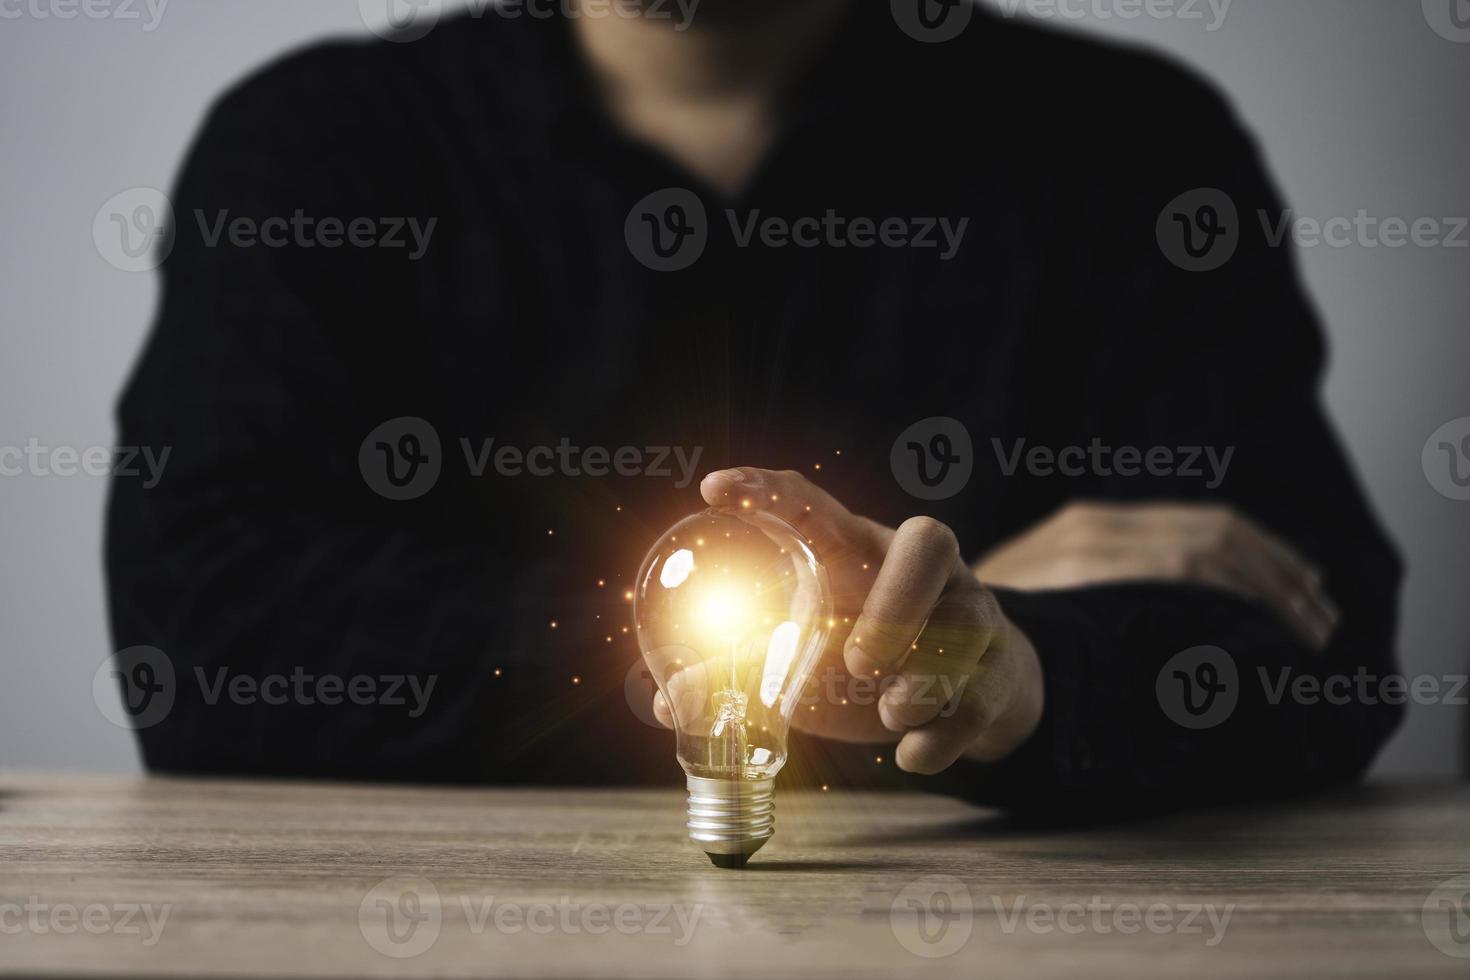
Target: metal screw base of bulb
729,819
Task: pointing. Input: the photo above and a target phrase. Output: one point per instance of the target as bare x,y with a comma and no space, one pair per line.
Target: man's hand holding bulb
957,678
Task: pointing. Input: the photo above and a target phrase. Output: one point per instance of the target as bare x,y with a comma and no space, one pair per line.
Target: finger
934,673
832,529
964,725
1306,615
1228,574
1299,591
921,561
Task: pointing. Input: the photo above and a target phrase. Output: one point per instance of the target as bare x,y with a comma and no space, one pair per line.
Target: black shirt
530,319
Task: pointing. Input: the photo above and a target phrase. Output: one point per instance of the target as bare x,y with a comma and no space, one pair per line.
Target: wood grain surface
132,875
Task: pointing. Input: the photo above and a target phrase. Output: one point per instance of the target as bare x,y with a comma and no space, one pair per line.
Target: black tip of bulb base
735,861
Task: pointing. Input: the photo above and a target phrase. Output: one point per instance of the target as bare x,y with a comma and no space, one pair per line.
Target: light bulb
732,612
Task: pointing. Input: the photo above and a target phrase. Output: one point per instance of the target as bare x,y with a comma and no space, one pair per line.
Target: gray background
1359,103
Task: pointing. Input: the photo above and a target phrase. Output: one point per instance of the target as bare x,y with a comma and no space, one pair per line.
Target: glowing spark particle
818,466
601,582
825,787
745,504
628,595
879,760
553,624
497,671
576,680
550,531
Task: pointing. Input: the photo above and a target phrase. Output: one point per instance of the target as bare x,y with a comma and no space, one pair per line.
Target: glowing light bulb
731,633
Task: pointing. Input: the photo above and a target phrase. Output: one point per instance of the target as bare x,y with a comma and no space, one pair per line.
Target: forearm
1107,740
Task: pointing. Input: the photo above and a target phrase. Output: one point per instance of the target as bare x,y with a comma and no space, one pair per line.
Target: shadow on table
810,866
1226,825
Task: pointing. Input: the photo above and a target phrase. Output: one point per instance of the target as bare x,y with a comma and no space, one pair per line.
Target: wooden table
160,876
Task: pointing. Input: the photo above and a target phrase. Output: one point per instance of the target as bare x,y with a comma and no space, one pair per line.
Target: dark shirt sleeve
262,552
1228,360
